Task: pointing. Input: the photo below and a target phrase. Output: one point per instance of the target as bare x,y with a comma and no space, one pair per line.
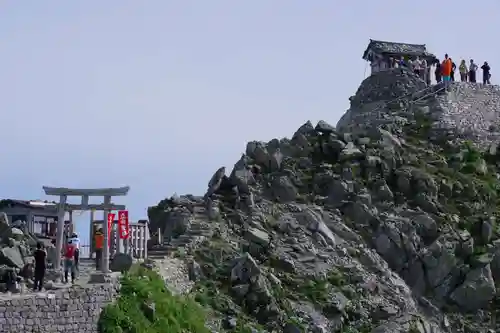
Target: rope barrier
409,95
427,95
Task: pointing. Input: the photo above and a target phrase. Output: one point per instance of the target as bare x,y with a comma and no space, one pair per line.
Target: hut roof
383,47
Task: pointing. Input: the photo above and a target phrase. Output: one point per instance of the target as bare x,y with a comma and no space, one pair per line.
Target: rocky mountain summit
395,97
385,223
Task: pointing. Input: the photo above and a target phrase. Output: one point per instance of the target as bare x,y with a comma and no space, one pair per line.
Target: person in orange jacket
446,70
99,243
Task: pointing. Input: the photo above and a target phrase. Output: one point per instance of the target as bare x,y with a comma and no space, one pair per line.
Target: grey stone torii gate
106,207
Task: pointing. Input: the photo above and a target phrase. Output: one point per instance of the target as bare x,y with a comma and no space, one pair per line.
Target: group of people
70,253
419,66
71,257
445,71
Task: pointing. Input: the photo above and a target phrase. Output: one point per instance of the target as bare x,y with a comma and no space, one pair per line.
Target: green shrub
145,305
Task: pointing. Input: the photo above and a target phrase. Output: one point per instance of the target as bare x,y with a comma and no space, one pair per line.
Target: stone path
173,270
175,273
87,268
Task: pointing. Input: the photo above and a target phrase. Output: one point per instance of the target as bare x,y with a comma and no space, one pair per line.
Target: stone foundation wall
376,101
73,310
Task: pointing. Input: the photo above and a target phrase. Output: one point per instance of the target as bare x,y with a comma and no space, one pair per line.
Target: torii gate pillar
106,207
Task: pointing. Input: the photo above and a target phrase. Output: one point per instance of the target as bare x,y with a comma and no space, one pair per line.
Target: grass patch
145,305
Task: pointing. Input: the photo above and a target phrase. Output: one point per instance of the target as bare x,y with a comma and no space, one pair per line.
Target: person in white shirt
75,241
417,66
425,71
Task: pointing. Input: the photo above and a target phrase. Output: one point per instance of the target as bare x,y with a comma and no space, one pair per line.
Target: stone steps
158,253
199,229
196,233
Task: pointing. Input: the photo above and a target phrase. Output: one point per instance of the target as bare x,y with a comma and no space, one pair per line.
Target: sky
159,94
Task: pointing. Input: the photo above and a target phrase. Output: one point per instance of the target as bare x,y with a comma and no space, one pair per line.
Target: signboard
123,225
111,218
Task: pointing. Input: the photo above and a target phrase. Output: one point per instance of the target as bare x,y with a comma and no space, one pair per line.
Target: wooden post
71,227
105,252
60,231
146,237
91,234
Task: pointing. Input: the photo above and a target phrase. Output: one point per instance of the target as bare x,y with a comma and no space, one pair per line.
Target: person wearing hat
76,243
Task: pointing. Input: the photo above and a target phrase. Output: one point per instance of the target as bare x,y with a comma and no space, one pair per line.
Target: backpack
69,252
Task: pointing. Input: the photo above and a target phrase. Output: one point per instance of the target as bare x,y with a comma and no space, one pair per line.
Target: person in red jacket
446,70
69,261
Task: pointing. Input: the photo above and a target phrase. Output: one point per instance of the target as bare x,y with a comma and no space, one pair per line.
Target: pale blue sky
169,91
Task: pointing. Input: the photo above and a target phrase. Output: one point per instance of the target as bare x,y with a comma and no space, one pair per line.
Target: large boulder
121,262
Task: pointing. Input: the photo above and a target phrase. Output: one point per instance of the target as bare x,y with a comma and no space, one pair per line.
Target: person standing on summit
438,72
463,71
446,70
486,73
453,69
472,71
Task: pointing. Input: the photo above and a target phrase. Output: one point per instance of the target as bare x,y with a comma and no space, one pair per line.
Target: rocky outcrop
382,228
384,98
16,254
469,111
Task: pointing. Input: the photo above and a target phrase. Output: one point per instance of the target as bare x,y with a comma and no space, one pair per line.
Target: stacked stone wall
471,111
72,310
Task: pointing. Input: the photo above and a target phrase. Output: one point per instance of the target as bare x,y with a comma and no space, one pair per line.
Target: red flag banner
123,224
111,218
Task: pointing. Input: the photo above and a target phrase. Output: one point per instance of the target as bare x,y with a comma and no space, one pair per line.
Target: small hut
379,53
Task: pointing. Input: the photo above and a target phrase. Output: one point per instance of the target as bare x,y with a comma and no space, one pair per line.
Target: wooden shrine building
379,53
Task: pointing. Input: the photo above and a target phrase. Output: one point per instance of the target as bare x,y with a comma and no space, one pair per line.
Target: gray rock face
477,290
16,254
387,86
369,106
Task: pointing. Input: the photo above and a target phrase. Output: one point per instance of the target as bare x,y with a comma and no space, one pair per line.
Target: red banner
111,218
123,225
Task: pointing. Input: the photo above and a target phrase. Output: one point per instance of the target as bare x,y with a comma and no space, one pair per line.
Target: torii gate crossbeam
106,207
